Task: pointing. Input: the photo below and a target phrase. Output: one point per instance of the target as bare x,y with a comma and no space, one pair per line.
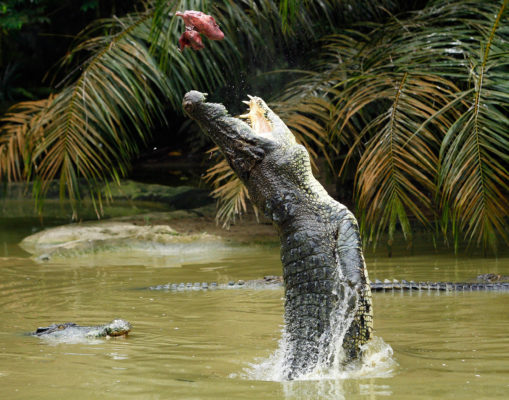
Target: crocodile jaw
257,116
263,129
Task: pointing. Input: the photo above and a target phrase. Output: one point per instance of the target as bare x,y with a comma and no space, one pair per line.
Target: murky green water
201,345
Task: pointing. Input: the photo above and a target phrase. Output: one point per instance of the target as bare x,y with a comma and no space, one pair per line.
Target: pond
218,344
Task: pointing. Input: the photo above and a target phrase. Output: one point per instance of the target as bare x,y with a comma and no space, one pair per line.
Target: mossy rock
80,239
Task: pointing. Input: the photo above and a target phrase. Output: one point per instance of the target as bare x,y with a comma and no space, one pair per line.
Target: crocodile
274,282
327,294
268,282
72,331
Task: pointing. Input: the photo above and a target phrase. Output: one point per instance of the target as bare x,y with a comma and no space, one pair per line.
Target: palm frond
232,195
95,124
394,101
473,175
419,101
17,137
302,15
396,175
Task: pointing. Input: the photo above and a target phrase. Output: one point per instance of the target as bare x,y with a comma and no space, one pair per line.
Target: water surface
208,345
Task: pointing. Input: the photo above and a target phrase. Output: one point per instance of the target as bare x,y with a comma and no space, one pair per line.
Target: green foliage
232,196
125,73
415,103
14,14
93,127
89,5
421,103
474,157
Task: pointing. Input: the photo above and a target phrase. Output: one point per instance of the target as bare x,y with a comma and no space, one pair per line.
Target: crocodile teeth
246,102
250,97
244,116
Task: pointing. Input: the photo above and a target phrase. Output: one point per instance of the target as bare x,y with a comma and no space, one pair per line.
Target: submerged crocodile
70,330
274,282
327,294
268,282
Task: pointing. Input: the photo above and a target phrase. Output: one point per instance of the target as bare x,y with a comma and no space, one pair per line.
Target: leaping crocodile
274,282
72,331
327,294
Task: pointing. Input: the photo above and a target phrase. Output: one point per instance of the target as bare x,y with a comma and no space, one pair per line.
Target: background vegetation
406,100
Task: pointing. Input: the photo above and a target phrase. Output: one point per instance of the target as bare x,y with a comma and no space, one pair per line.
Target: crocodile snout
192,99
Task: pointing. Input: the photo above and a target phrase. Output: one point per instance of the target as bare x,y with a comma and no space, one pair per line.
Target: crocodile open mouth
257,117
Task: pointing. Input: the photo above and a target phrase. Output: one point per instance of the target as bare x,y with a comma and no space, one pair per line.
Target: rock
121,238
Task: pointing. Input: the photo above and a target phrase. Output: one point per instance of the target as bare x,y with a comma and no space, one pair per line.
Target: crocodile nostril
188,106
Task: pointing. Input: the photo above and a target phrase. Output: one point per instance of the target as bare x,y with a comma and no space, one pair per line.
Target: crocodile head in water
327,294
70,331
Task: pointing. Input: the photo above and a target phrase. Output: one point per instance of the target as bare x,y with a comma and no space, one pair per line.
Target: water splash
328,351
377,362
331,353
339,383
325,355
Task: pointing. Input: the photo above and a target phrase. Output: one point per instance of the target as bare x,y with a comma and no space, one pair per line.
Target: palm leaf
229,190
95,124
474,157
396,175
17,138
395,84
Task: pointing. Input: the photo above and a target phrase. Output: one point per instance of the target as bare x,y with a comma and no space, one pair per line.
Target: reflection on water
208,345
334,389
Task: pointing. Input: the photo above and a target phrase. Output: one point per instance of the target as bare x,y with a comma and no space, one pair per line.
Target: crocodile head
117,327
259,147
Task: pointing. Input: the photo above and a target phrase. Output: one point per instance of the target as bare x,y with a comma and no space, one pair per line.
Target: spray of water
376,362
331,378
